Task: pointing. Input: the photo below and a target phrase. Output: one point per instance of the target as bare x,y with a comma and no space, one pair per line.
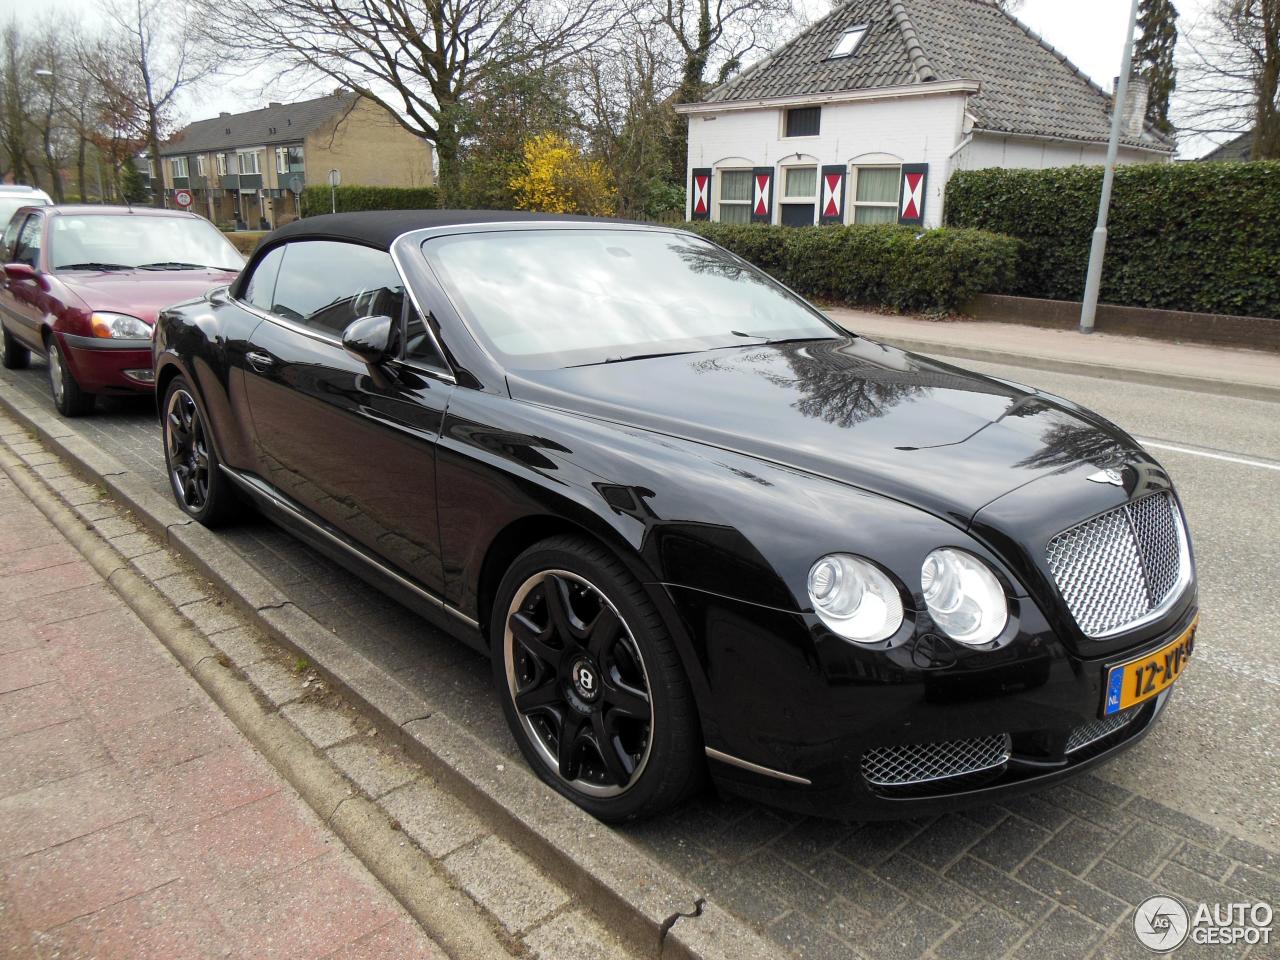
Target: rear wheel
13,355
191,462
70,400
591,683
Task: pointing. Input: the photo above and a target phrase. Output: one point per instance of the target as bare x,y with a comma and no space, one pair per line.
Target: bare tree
419,59
1231,79
720,34
16,82
152,53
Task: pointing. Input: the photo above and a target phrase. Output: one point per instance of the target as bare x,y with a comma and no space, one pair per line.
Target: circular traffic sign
183,198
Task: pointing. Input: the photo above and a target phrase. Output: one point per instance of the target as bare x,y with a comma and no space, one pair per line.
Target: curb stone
660,913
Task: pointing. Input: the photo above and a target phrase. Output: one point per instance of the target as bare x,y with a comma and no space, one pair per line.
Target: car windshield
9,205
545,299
101,241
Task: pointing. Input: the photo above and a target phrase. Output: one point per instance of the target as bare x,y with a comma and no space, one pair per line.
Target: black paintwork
719,478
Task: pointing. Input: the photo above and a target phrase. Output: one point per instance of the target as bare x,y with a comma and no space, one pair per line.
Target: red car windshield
101,241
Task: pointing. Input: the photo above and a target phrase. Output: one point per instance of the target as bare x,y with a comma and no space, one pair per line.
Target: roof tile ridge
919,62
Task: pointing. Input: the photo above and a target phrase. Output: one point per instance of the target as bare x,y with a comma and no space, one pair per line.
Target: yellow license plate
1142,678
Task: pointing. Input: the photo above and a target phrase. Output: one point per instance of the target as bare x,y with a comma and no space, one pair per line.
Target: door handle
261,362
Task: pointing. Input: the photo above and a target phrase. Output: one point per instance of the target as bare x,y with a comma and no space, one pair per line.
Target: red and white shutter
762,195
915,178
700,194
831,193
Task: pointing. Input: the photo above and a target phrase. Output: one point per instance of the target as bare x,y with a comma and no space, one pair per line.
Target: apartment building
247,169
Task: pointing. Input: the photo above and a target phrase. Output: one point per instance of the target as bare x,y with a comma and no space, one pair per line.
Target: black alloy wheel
190,460
591,684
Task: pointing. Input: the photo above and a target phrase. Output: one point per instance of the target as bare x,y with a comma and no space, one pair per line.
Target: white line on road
1205,453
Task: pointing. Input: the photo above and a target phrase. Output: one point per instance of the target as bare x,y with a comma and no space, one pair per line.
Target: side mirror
370,339
19,271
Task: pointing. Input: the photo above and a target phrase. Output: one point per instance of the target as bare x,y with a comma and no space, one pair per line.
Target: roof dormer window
849,42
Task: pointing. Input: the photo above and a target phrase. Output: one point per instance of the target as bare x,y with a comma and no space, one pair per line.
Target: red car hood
143,293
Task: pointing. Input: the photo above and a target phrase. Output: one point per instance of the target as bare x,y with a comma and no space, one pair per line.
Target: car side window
325,285
11,237
419,346
27,247
262,282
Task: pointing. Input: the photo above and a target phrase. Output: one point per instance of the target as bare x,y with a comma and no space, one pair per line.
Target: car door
24,299
353,446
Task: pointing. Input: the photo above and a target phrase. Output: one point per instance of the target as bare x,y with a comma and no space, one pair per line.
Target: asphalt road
1216,752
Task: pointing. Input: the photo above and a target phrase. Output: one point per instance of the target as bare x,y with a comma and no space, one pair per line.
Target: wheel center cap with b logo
586,680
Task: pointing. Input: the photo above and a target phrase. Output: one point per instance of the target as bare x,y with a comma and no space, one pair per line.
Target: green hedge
315,199
934,271
1203,237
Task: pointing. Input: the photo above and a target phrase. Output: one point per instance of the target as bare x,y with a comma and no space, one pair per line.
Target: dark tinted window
419,347
27,248
326,285
804,121
262,282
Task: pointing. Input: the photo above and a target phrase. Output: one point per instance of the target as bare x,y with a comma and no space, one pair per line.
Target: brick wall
370,149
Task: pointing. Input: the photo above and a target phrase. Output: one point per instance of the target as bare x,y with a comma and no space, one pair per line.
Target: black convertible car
694,524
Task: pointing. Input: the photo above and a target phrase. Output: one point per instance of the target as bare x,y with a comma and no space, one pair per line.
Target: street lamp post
1098,250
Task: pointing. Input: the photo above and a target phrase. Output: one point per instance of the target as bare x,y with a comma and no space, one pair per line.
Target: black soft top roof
378,228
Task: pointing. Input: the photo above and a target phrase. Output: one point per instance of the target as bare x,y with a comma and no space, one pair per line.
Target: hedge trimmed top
1203,237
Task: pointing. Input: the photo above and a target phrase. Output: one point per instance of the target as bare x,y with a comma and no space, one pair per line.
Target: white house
863,117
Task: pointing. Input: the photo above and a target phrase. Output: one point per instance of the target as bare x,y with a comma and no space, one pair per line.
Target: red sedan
82,287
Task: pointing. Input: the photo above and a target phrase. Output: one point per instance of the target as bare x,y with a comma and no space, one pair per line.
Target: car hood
142,293
851,409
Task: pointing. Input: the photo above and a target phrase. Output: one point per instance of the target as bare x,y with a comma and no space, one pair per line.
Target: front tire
13,355
591,683
70,400
190,460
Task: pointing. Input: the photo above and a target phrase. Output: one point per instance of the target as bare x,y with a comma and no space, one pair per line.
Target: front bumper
109,366
790,697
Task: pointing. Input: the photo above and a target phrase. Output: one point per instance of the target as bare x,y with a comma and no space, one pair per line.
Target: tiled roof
1027,87
278,124
1238,148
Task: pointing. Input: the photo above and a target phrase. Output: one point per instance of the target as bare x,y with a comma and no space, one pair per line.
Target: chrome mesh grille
1117,567
1092,732
921,762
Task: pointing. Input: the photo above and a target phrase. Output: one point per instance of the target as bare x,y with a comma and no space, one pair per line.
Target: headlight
964,597
119,326
854,598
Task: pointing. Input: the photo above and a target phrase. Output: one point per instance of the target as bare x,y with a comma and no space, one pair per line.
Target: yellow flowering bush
557,178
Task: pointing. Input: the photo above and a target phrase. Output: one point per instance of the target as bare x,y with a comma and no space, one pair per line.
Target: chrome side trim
755,767
261,489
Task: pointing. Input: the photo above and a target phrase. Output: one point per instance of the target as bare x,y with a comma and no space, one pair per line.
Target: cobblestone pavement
1054,875
135,821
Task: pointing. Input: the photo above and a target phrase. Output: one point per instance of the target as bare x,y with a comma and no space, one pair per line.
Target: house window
849,42
803,121
221,160
799,196
875,194
178,167
735,196
202,168
247,163
287,158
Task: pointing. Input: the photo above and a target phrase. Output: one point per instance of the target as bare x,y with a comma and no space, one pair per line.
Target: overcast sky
1090,32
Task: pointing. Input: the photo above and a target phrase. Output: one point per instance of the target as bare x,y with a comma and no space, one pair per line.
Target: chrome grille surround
1122,568
1096,730
911,763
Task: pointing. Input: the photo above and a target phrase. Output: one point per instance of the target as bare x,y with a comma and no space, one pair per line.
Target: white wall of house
989,150
910,129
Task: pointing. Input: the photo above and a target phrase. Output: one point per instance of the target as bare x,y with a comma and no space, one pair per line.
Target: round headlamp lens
964,597
855,598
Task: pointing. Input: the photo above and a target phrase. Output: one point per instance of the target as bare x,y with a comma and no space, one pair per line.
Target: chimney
224,113
274,103
1133,112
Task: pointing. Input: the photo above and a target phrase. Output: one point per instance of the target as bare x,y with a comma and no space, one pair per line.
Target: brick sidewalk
135,820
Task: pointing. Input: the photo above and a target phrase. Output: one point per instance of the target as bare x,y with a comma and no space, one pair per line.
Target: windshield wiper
174,265
93,266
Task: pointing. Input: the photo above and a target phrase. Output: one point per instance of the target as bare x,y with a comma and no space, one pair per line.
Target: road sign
183,198
335,178
295,184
